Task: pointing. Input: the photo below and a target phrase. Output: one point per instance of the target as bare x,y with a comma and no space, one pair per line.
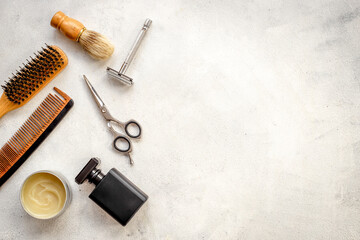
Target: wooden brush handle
5,105
70,27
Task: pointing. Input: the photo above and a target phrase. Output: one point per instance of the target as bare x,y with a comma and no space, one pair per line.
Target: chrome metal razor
120,75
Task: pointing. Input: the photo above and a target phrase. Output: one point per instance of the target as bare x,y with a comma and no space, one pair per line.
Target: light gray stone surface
250,114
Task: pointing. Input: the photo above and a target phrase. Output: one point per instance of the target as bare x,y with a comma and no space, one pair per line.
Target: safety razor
120,75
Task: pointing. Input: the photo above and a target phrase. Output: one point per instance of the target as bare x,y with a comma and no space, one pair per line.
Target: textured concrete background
250,112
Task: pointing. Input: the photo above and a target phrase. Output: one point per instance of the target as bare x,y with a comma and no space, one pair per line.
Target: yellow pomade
43,195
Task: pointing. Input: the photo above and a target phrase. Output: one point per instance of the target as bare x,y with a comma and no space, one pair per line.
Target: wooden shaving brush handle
70,27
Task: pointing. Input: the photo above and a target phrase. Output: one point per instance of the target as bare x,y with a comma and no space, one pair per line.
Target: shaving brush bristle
96,44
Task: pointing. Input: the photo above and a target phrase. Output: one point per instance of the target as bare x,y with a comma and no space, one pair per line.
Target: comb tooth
13,145
3,160
33,129
60,100
2,164
51,108
26,137
45,115
35,123
8,151
31,140
11,151
8,154
3,167
3,156
38,118
2,170
42,112
50,111
26,133
30,126
55,106
61,93
16,144
5,149
23,148
6,157
46,101
28,129
55,101
21,136
20,139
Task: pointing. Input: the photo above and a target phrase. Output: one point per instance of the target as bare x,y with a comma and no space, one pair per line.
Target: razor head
119,76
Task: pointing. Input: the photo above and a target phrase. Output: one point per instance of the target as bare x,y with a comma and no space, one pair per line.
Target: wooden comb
33,132
31,78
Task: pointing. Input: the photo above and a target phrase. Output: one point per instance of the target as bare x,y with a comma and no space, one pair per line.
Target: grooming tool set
120,75
39,188
94,43
116,194
31,78
33,132
119,137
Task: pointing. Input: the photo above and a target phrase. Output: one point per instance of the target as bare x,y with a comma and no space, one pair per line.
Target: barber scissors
111,121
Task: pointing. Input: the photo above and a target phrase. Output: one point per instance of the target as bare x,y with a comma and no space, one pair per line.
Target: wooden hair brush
94,43
31,78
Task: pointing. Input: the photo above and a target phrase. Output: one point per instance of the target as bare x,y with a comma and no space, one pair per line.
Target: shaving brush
94,43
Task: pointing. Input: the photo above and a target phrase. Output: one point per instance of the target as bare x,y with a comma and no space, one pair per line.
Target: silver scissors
111,120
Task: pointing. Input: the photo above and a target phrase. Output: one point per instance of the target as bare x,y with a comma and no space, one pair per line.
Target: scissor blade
96,96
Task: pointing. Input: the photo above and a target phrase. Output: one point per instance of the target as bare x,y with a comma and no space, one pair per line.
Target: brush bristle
96,44
34,74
